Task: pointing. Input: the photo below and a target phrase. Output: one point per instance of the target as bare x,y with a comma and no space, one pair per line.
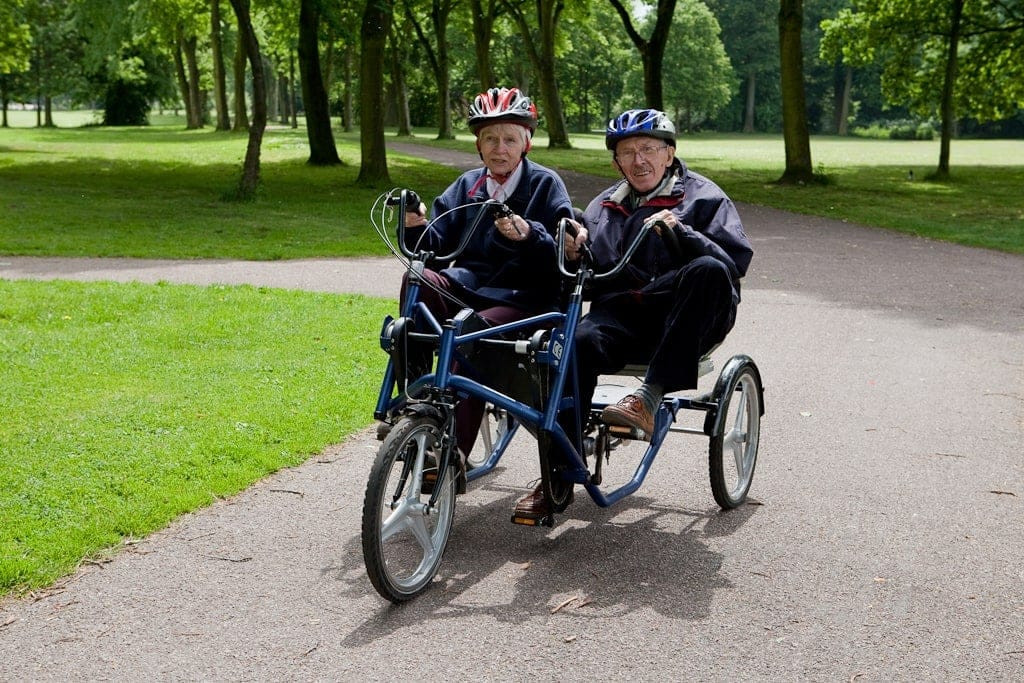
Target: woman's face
501,147
642,161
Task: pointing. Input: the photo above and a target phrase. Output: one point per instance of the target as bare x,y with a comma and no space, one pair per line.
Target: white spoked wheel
733,451
403,539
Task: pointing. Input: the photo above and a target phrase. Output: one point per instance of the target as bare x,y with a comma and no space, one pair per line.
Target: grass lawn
127,405
156,191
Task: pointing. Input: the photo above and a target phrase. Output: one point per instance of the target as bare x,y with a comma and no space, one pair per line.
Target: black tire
558,489
402,543
732,451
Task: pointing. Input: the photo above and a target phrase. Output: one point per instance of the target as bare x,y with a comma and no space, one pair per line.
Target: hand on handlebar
417,217
512,227
574,246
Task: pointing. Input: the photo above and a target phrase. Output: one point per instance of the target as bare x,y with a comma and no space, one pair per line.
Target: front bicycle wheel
403,538
733,450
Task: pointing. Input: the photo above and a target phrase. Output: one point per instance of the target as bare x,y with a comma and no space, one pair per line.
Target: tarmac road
883,539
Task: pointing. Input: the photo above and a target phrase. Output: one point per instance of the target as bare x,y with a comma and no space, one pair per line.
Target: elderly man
667,309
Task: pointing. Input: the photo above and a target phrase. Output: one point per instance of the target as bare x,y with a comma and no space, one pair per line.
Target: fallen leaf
564,603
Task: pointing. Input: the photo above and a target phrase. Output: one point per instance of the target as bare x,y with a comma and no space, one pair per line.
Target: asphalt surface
883,538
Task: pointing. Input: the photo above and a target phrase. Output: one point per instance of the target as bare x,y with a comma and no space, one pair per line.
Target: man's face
643,160
502,146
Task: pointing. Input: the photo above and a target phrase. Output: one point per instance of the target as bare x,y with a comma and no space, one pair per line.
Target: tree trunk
322,151
373,168
483,29
542,57
4,101
48,112
401,93
346,98
842,105
794,105
293,102
196,114
220,93
751,100
179,73
251,167
283,94
241,111
948,85
652,51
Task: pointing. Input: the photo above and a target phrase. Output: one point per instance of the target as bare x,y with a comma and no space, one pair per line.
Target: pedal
624,432
526,520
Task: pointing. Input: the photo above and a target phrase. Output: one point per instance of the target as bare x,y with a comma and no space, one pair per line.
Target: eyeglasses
647,151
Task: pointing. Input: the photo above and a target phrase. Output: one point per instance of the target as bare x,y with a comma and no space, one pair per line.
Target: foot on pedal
533,509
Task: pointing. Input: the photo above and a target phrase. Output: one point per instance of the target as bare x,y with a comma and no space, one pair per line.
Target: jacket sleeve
715,228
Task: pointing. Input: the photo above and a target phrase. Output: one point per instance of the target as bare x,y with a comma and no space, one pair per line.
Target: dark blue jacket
492,269
697,202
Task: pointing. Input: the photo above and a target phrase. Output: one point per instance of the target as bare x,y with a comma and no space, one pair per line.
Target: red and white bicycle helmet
648,122
502,105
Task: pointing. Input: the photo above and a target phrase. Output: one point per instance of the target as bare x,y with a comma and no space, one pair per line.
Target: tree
220,94
322,151
15,43
373,169
698,78
948,58
484,14
440,11
55,53
750,34
541,50
652,50
250,179
595,68
794,104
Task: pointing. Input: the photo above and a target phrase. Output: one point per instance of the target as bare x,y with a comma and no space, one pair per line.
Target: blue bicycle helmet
648,122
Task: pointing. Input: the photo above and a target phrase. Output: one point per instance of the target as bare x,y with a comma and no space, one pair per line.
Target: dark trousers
469,412
669,328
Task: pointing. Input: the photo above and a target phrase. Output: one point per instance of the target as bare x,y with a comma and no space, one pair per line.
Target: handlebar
408,198
565,226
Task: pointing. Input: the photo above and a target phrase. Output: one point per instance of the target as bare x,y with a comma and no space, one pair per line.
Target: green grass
127,405
156,191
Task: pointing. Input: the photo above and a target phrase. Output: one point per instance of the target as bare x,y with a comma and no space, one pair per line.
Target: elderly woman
508,270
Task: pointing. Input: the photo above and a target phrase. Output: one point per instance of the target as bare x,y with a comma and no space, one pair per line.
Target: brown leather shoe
531,507
630,411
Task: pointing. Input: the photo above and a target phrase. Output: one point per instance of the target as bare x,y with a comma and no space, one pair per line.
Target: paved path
884,539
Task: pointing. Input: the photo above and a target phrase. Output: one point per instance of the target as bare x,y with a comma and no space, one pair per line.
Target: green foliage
15,38
697,77
127,405
911,41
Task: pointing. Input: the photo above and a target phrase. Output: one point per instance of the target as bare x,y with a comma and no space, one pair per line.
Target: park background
127,405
